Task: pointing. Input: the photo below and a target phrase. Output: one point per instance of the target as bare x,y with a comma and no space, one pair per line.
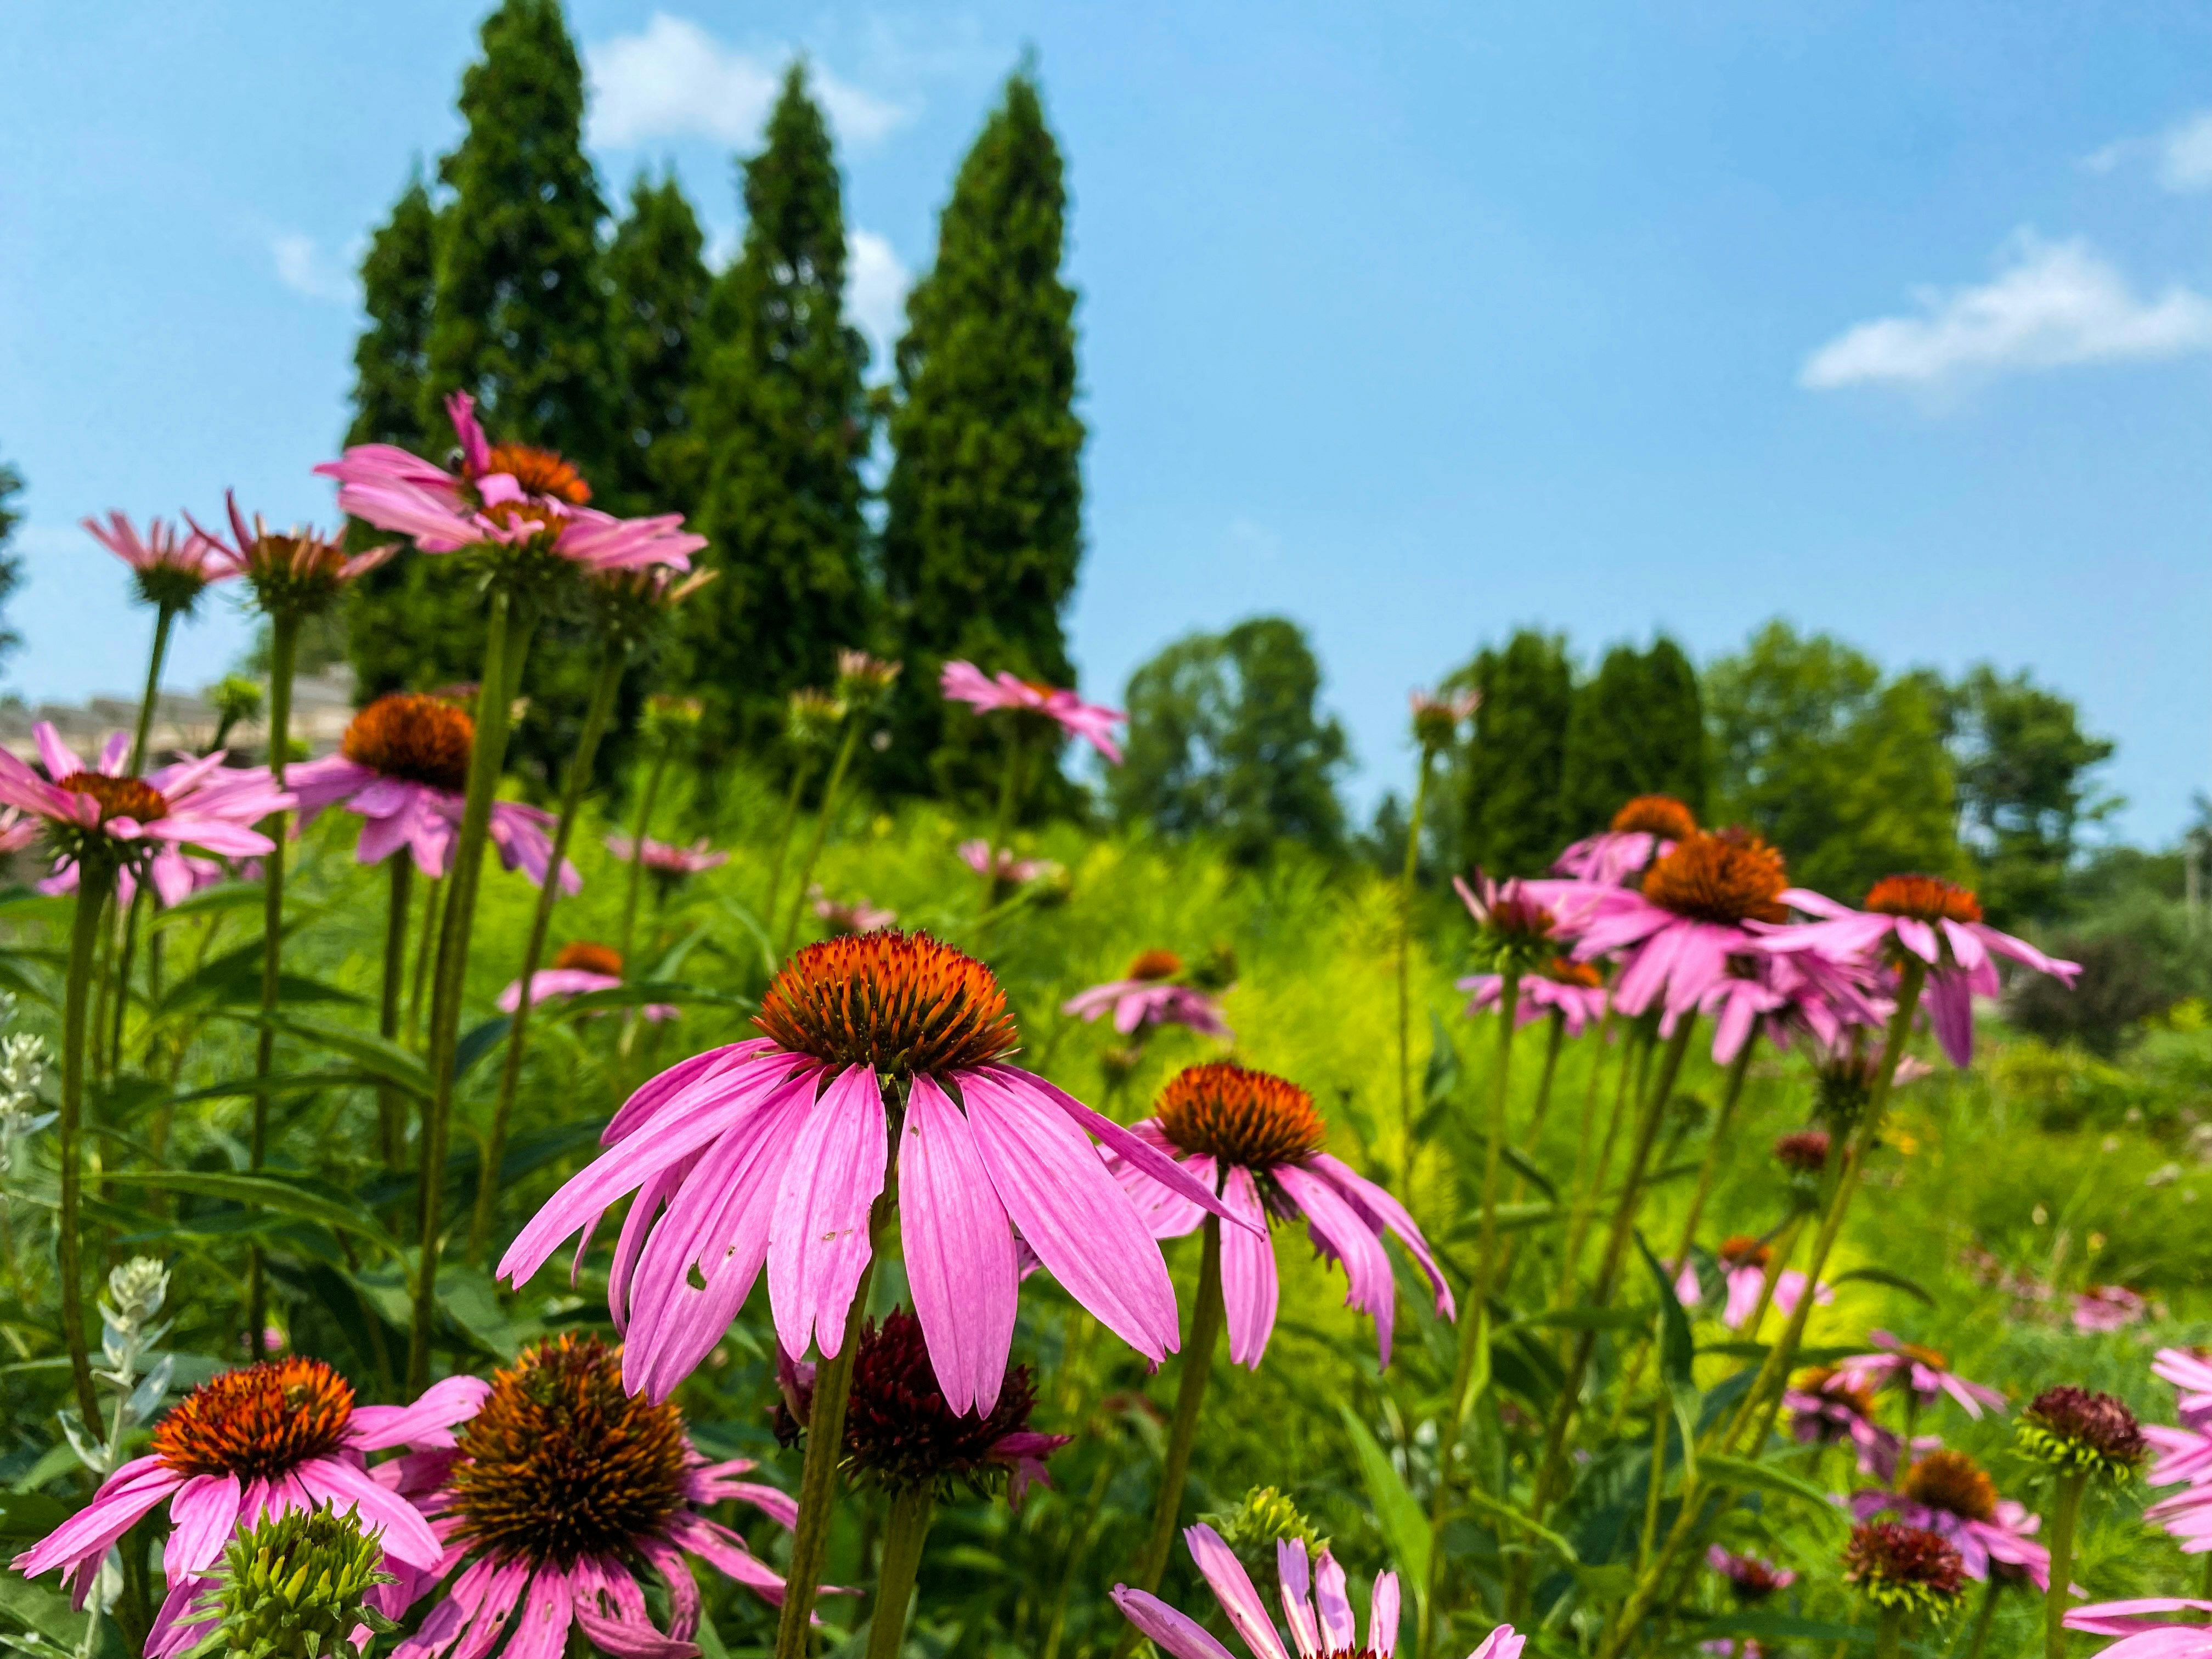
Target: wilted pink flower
1574,990
1151,993
1438,719
146,821
403,766
1646,829
2104,1308
962,682
1902,1365
280,1435
577,967
772,1152
2184,1452
1936,922
1313,1600
1257,1140
857,916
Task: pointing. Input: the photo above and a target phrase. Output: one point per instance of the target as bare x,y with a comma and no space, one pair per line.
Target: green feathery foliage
984,529
780,428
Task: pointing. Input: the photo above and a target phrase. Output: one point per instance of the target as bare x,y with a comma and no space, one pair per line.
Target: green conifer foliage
657,283
1637,729
1509,822
983,531
11,564
780,428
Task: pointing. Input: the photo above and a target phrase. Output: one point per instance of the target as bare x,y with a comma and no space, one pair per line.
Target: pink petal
427,1425
959,1251
818,1242
1248,1614
1118,1141
407,1535
1382,1616
1336,1627
1248,1283
1296,1580
1346,1236
202,1513
1176,1633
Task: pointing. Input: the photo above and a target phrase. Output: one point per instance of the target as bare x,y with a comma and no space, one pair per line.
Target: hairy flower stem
95,881
390,1107
1407,877
822,820
799,772
825,1449
284,653
639,829
1206,1320
164,617
425,959
577,779
2065,1516
127,930
1654,1109
503,649
904,1535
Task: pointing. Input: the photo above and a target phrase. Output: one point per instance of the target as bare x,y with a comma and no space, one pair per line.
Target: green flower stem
1888,1632
1589,1178
1654,1111
825,1446
1719,1144
1205,1320
164,617
577,779
830,792
903,1537
1654,1483
1407,877
801,772
2065,1516
127,930
95,881
283,652
391,1109
1778,1261
425,960
1529,1138
1982,1620
487,755
646,801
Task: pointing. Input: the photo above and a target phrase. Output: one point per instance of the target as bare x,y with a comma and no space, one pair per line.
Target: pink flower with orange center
962,682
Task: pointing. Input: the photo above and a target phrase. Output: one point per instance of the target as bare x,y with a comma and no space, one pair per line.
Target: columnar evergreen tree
780,425
11,564
658,285
1637,729
1510,822
984,528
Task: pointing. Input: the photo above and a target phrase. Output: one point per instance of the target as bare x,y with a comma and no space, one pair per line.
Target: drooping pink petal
1176,1634
1342,1231
202,1515
1248,1284
726,1552
426,1424
818,1242
1133,1149
1381,1206
1296,1580
1950,1011
959,1251
1225,1575
126,1495
407,1535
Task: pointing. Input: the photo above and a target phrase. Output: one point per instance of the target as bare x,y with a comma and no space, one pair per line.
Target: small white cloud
2051,305
2182,154
303,267
875,291
673,79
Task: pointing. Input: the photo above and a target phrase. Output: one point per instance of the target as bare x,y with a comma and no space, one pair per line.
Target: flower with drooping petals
1154,992
772,1152
1949,1494
1575,990
1517,930
1902,1568
403,765
1902,1365
901,1435
559,1492
268,1439
962,682
2105,1308
1936,922
669,865
2146,1627
170,568
1827,1408
863,680
1743,1262
1647,827
1257,1140
292,573
1313,1600
1006,870
1749,1578
855,916
580,967
2185,1452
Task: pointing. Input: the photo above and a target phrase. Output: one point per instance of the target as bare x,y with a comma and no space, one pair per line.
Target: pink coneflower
171,567
962,682
1003,866
404,767
1749,1578
1680,928
1151,993
2184,1452
1573,990
579,966
561,1491
1935,921
1784,998
1827,1408
280,1435
1645,828
2146,1628
174,875
1947,1494
1743,1263
295,570
1313,1599
1902,1365
1258,1139
772,1152
485,472
2105,1308
1437,717
195,802
663,859
852,916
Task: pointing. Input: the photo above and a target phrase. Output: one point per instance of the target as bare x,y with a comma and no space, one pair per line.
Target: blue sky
1411,322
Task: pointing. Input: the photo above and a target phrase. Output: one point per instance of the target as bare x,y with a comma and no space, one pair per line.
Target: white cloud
2051,304
673,79
2182,154
875,292
303,267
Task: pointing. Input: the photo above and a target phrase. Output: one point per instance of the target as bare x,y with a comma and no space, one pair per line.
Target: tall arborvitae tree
984,528
11,563
1639,729
657,285
1510,822
780,425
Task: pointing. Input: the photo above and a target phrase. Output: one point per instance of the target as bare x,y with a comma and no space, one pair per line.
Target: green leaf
32,1514
1513,1517
1765,1477
637,995
671,959
1404,1528
1740,1349
1883,1276
1678,1357
215,901
1441,1081
478,1041
385,1059
283,1082
13,978
292,1193
1771,1627
1582,1319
